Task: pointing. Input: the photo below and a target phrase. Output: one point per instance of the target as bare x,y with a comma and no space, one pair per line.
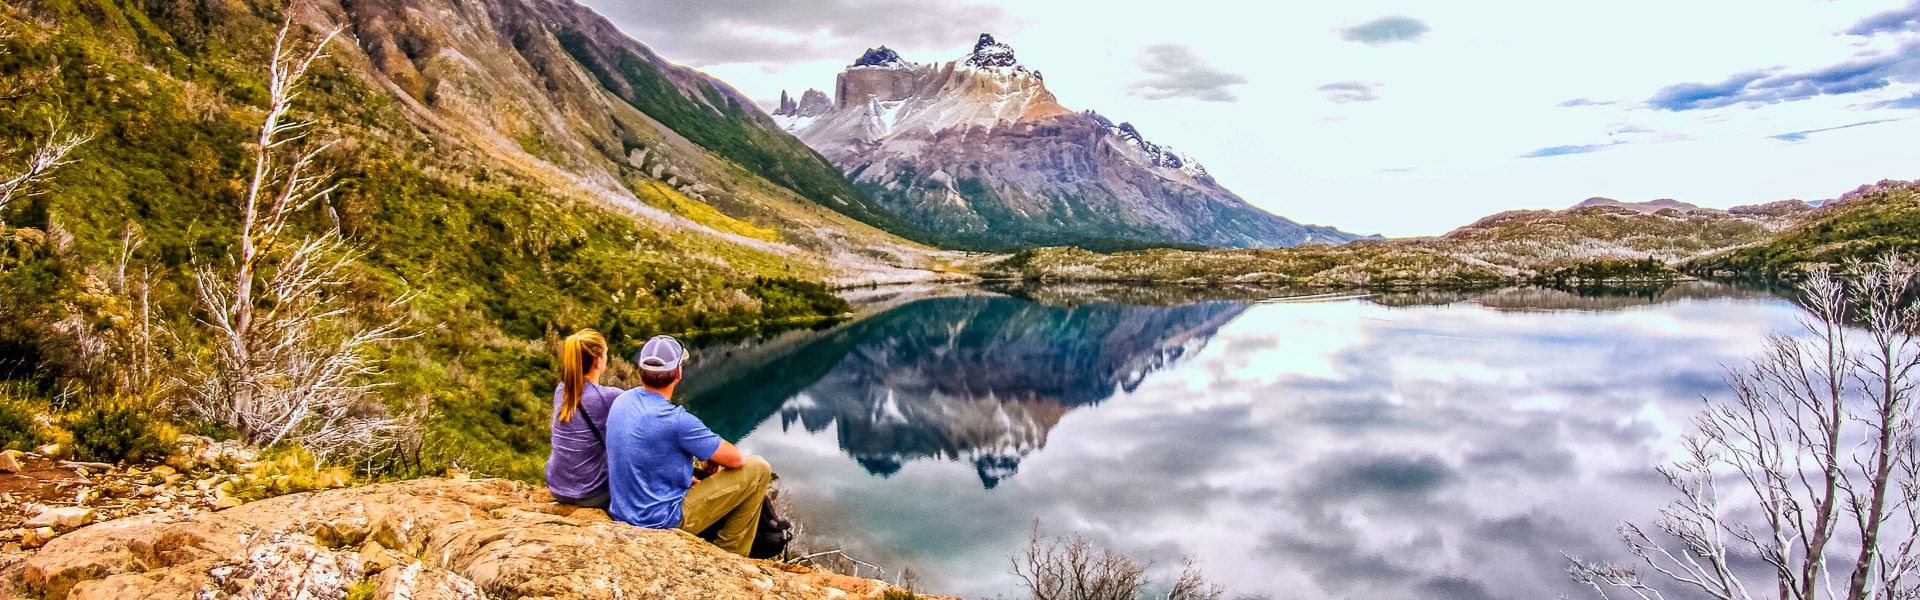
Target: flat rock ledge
423,539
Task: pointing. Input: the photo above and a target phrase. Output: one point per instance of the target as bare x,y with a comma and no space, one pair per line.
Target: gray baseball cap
661,354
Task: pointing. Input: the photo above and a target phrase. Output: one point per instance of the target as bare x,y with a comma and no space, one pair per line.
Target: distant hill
979,152
1647,206
1598,239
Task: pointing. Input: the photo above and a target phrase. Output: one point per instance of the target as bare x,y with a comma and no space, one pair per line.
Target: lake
1415,445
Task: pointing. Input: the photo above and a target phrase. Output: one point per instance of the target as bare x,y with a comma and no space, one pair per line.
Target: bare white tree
1072,569
1808,471
51,154
1192,585
291,363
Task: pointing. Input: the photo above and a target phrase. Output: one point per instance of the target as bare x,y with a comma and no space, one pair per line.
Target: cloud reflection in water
1317,450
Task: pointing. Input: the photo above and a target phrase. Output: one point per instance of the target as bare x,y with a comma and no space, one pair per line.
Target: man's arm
728,456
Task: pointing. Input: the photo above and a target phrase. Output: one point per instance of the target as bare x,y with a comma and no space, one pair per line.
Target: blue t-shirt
651,446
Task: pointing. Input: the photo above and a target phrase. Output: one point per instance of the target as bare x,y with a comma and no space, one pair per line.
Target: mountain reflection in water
977,379
1417,444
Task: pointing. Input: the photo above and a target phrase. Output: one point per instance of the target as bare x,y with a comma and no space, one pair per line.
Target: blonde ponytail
578,354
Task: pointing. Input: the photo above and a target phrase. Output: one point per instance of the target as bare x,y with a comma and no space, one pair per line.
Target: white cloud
1174,71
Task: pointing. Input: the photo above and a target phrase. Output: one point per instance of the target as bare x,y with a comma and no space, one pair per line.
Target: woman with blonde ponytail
577,468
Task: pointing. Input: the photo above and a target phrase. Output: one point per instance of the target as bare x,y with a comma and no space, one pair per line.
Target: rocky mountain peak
989,53
812,103
979,150
882,57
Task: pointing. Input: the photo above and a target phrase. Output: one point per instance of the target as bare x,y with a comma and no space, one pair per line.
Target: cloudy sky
1407,118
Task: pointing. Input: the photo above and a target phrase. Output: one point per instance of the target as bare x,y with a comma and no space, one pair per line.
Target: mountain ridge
978,149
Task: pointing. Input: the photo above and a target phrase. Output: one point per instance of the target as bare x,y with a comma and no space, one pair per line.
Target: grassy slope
503,263
736,135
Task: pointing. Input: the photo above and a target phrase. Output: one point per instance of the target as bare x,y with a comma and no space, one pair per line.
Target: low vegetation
19,428
1601,271
114,429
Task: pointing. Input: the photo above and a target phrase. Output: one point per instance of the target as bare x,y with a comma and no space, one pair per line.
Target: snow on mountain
1151,153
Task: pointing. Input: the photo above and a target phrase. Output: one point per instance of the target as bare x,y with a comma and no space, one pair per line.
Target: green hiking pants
731,498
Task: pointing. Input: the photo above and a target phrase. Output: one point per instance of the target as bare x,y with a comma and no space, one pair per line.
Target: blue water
1431,445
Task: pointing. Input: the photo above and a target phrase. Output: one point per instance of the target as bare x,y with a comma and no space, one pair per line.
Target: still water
1428,445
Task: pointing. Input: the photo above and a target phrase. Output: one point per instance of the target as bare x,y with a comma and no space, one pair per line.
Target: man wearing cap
651,446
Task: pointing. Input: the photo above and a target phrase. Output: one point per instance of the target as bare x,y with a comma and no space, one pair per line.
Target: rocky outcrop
419,539
45,496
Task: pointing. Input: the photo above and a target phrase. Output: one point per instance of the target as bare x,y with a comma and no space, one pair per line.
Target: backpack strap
595,427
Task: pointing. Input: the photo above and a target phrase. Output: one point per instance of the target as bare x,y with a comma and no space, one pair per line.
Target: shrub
787,298
19,430
116,429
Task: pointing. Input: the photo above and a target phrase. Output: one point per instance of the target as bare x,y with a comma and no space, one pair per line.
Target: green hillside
503,256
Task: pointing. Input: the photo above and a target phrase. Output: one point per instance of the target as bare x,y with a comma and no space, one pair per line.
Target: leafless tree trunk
131,351
290,365
41,162
1819,428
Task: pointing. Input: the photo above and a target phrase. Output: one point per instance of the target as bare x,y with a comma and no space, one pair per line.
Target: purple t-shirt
577,468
